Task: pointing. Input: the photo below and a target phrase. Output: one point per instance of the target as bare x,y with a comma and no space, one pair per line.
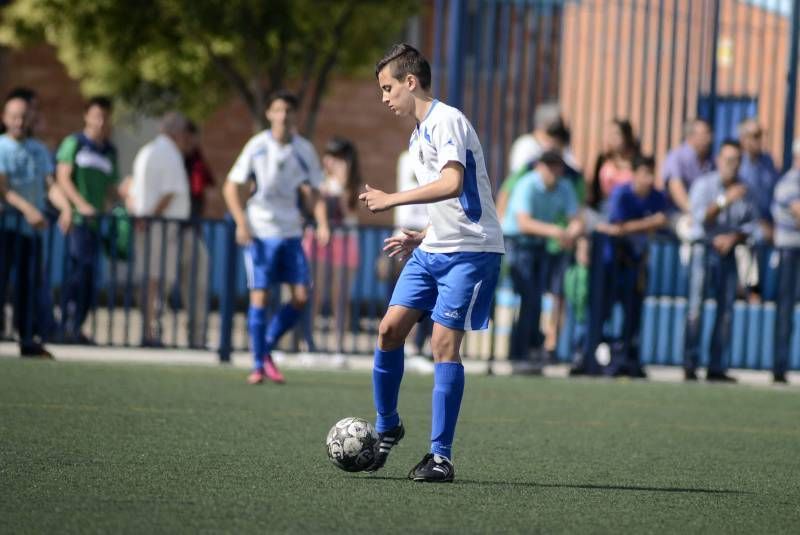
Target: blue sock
257,327
281,322
448,389
387,372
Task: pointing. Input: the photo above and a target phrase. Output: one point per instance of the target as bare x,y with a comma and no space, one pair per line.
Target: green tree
194,54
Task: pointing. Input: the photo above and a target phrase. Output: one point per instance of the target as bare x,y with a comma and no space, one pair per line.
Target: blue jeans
714,275
527,270
789,294
84,248
23,255
622,284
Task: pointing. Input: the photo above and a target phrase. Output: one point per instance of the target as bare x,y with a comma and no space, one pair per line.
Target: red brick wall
351,108
60,99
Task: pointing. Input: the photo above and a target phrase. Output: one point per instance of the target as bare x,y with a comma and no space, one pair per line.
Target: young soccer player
281,164
454,263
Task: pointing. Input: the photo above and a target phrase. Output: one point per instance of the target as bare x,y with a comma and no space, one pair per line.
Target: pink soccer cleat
256,377
272,372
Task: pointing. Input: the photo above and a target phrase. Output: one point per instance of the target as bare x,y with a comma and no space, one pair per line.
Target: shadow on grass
533,484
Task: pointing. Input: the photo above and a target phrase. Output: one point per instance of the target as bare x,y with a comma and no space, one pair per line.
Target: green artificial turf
141,449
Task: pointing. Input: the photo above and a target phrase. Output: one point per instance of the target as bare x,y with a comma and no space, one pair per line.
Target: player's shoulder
302,144
258,141
444,113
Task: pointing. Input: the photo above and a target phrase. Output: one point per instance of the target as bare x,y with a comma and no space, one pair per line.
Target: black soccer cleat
386,441
433,469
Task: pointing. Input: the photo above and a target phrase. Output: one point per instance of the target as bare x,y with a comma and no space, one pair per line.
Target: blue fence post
227,295
791,91
712,91
455,54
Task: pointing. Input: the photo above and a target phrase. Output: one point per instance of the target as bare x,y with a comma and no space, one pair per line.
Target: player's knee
299,301
444,350
299,298
389,335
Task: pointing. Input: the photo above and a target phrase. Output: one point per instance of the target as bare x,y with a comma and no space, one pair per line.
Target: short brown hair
404,59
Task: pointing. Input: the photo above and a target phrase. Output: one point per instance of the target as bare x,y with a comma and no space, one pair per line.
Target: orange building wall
597,85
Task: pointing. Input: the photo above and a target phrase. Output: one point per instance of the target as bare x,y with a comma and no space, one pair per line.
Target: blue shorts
455,288
273,261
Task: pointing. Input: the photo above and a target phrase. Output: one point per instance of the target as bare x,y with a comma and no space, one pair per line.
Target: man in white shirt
528,147
454,264
276,170
165,250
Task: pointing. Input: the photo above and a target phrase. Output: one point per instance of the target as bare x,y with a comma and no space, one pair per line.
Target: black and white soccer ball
351,444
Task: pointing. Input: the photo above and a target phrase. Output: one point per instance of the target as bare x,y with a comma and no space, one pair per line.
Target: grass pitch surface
139,449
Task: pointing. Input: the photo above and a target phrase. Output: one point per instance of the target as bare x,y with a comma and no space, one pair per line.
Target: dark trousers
80,284
527,265
787,296
714,275
622,284
23,255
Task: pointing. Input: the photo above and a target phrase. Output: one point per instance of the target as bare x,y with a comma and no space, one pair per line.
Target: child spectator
636,209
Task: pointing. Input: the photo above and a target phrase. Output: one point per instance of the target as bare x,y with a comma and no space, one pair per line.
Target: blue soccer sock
281,322
448,389
257,327
387,372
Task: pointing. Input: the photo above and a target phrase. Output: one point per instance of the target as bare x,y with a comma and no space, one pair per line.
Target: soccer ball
351,444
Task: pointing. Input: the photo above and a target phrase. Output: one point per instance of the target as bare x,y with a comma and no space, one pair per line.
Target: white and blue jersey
454,272
273,211
469,222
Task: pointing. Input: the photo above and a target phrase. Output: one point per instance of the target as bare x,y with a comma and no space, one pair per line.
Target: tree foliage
194,54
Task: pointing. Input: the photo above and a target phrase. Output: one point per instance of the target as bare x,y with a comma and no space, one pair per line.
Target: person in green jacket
86,172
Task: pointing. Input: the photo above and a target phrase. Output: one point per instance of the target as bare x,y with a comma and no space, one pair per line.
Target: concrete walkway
357,363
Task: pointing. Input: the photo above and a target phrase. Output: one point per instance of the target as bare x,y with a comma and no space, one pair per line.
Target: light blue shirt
739,216
760,176
26,164
530,196
787,228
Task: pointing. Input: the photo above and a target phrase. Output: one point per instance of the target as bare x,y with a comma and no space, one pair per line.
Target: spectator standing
576,296
636,209
614,166
542,206
44,299
528,147
200,177
723,215
86,172
26,181
550,133
758,172
786,216
687,162
336,263
167,251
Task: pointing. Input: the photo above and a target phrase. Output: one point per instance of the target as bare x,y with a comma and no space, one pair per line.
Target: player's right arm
235,195
236,191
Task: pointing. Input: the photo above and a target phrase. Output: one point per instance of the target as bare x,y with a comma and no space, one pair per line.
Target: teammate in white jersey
454,264
277,169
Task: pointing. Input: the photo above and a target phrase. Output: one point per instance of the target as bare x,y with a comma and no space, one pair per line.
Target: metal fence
155,282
